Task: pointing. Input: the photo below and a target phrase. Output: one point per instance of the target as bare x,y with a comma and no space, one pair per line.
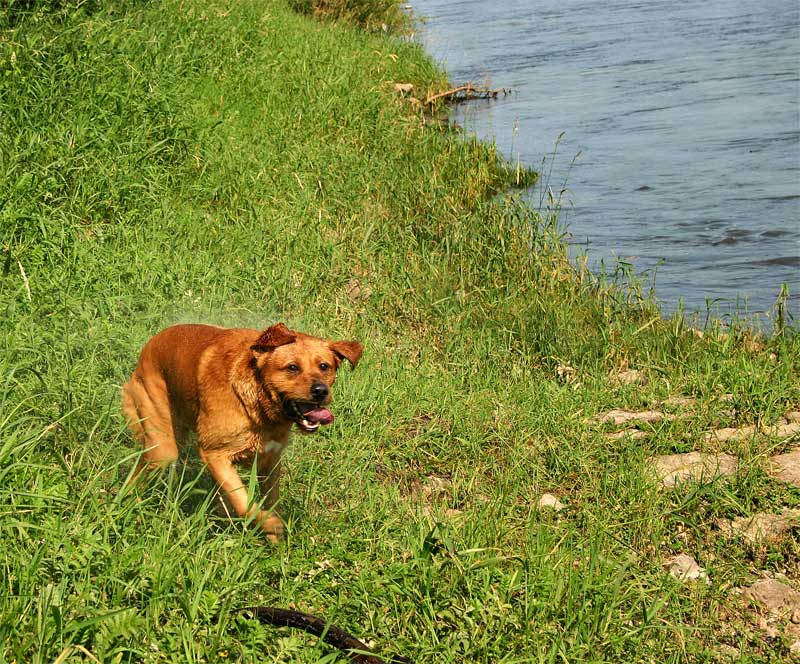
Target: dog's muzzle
306,415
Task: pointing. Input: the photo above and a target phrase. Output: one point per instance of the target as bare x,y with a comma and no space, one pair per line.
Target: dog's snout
319,391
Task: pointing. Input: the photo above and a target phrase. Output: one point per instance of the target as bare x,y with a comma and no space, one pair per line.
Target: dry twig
467,91
331,634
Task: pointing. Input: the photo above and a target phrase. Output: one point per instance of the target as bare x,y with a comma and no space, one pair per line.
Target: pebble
685,568
548,500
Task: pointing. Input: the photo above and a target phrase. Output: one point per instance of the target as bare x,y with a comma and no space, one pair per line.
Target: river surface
681,132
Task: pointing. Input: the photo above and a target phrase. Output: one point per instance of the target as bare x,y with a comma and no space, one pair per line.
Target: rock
685,568
692,467
781,603
780,600
784,430
728,652
764,527
730,433
786,467
635,434
792,417
680,402
625,416
548,500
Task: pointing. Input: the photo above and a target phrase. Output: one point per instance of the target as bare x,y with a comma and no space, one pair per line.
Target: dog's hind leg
150,421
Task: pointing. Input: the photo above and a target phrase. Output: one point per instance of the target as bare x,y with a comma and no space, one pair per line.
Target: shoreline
714,249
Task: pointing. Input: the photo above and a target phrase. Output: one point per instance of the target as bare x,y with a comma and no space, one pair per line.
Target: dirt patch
634,434
355,290
628,377
679,402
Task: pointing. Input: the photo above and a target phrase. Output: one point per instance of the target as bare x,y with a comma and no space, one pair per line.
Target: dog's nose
319,391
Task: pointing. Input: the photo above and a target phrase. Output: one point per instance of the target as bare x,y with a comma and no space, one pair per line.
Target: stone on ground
782,430
551,501
685,568
625,416
786,467
764,527
779,599
782,605
673,469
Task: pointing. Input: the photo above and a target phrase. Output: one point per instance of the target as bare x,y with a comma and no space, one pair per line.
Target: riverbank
679,160
240,164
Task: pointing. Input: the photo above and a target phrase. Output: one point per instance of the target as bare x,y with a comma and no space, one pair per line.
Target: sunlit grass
240,164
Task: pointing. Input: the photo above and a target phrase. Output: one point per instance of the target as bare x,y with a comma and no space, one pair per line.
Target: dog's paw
273,527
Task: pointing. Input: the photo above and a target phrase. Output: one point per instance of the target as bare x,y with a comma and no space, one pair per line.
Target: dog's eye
324,366
293,368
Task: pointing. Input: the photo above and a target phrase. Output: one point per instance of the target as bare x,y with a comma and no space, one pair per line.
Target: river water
681,132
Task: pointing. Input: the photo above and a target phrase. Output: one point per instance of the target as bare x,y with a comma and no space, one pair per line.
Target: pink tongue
321,415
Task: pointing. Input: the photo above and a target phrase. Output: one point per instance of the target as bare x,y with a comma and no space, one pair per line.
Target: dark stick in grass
330,634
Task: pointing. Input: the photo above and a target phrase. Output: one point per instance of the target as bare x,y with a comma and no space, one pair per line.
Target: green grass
240,164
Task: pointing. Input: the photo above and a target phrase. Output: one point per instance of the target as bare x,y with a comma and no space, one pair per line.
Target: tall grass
240,164
370,15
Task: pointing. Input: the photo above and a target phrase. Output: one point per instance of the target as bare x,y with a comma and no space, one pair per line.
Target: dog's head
301,370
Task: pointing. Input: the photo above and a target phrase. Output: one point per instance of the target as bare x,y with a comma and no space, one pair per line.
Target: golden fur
240,391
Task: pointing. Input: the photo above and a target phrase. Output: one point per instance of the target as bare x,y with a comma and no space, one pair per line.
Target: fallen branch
468,91
330,634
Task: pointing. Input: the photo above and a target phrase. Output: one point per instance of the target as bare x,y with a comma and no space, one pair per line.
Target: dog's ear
272,337
347,350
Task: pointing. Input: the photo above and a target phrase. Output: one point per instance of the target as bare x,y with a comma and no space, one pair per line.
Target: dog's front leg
268,465
223,471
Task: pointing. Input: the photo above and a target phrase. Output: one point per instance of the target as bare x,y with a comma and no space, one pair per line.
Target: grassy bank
240,163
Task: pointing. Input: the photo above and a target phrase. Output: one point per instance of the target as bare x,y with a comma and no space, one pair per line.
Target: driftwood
468,91
330,634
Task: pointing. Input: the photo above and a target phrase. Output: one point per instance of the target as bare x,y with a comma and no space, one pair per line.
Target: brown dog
240,391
